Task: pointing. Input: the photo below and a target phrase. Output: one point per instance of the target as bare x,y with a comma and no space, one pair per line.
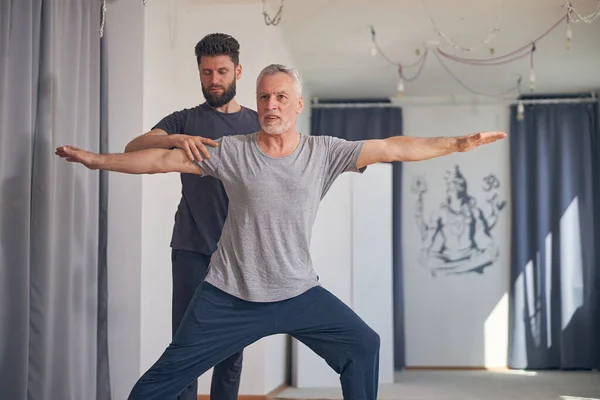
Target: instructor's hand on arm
150,161
194,146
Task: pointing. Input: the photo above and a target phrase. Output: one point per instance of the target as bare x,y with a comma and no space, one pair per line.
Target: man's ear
300,104
238,72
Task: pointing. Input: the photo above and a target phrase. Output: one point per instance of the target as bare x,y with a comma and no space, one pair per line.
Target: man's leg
332,330
189,271
215,326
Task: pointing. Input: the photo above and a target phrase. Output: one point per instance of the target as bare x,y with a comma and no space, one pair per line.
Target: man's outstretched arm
150,161
409,148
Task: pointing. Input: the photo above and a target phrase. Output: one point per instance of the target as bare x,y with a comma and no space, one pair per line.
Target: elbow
389,151
161,165
388,155
172,161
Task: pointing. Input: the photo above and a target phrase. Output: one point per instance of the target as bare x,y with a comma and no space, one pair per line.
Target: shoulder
190,110
316,139
324,140
185,113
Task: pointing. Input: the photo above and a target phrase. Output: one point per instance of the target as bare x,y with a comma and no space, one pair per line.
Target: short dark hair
218,44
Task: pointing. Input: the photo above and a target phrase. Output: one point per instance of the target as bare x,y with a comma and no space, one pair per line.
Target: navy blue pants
189,271
217,325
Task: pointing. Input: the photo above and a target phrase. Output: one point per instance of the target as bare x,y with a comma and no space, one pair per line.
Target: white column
153,72
352,254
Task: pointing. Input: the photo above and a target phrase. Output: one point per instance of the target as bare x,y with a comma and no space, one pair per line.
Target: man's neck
279,145
229,108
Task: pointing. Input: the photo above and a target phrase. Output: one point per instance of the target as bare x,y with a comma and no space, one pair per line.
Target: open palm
74,154
469,142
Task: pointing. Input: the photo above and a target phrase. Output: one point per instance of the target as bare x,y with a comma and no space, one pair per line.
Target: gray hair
291,72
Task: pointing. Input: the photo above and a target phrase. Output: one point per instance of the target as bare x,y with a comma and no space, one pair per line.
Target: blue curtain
373,123
555,279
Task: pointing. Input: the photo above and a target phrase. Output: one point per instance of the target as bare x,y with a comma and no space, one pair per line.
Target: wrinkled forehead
276,83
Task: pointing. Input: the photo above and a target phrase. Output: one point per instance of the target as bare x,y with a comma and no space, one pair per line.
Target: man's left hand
469,142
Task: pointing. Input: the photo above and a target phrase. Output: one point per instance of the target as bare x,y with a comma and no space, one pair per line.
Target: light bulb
569,36
373,50
531,79
520,111
400,87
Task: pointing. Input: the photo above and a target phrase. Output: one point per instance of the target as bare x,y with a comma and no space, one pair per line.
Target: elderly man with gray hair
261,281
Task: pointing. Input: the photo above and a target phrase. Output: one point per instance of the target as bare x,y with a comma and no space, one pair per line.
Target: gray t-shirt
264,252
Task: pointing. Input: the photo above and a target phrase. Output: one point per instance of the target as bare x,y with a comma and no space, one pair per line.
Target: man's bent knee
368,344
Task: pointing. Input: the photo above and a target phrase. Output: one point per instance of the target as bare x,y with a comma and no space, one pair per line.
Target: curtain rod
356,105
474,101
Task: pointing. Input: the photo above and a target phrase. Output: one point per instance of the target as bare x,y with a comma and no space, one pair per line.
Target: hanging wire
512,56
531,69
272,21
103,18
588,19
420,60
416,75
488,38
460,82
103,22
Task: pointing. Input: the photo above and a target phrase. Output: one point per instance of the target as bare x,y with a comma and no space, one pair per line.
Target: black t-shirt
203,207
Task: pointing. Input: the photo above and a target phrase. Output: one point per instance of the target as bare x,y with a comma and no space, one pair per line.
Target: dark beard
219,100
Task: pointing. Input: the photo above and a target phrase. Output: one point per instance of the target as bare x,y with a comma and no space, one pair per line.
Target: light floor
472,385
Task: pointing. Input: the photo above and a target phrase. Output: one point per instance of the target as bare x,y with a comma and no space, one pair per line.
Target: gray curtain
49,210
555,291
372,122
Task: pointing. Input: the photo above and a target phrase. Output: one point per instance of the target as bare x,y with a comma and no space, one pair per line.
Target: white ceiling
330,41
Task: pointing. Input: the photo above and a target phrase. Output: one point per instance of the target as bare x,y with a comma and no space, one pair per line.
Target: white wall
372,263
351,249
153,73
331,253
455,319
123,39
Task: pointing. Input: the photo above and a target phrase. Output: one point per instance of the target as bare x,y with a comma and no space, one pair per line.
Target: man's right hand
74,154
194,146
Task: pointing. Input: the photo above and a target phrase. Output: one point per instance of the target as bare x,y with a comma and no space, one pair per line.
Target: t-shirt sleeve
173,123
211,166
342,156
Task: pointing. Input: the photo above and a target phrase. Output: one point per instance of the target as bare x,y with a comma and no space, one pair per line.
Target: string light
520,111
400,88
528,49
531,70
402,78
520,105
569,33
373,43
